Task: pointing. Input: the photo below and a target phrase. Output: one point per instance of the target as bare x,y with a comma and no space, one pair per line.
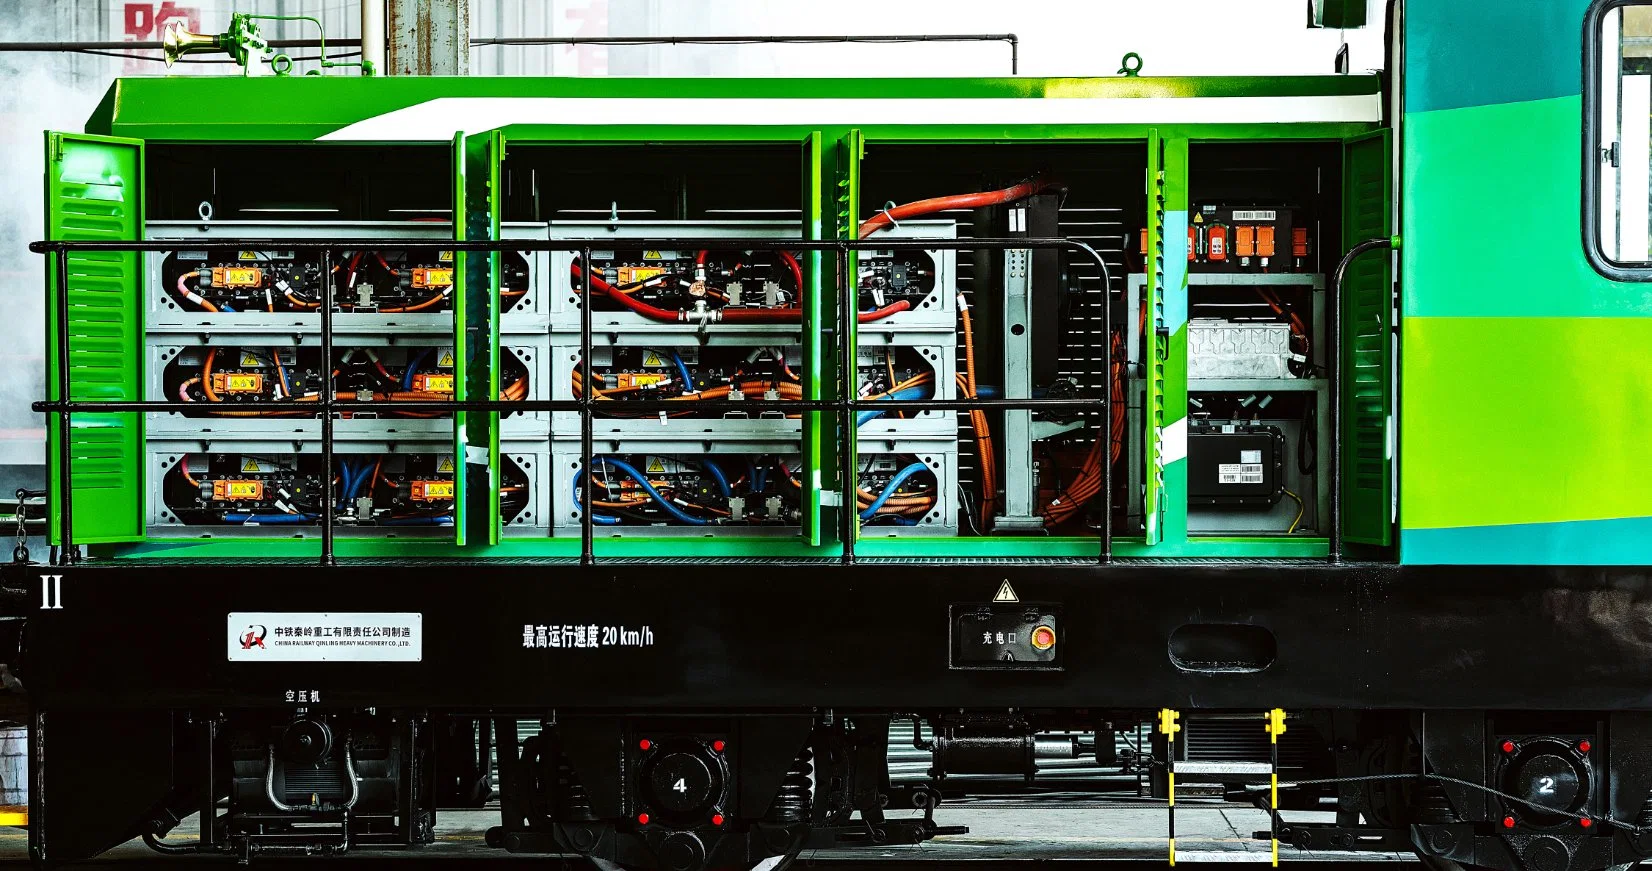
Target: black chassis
113,654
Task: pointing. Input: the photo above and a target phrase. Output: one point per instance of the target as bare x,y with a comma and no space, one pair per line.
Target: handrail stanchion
328,496
67,555
587,523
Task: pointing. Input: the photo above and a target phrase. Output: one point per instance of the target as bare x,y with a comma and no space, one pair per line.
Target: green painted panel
1502,423
307,107
1154,352
94,192
1523,241
814,422
851,149
1366,367
476,337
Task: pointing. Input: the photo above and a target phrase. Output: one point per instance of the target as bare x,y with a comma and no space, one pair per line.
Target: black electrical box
1235,465
1228,238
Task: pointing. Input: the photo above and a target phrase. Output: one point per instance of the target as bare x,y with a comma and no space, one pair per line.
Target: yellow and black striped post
1169,726
1275,726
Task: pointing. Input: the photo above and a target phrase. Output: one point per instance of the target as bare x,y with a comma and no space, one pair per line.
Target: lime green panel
307,107
814,422
1503,422
94,192
476,313
998,547
1153,353
846,219
1366,369
1483,186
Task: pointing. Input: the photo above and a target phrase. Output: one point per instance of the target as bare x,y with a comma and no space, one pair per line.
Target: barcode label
1268,215
1239,473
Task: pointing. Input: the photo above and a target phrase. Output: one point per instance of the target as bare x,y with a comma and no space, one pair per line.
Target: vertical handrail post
328,495
587,524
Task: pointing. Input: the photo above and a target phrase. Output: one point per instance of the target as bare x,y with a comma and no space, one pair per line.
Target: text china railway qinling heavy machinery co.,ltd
425,439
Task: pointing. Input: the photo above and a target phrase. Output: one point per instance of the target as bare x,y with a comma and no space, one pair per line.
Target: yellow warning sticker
652,255
1198,218
247,359
246,255
445,464
444,256
249,465
655,465
652,358
444,360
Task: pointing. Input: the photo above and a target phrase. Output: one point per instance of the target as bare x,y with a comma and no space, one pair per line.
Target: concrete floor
1112,828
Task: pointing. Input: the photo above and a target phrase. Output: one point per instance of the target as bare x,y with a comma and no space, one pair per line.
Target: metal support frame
427,38
844,405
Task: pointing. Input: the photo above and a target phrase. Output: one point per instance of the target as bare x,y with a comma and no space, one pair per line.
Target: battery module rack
387,281
724,490
691,374
287,490
233,380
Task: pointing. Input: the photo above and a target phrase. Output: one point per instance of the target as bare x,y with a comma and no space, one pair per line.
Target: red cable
957,201
735,315
638,306
797,270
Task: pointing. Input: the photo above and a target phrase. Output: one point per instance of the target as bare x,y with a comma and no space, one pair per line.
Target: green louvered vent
95,195
1367,327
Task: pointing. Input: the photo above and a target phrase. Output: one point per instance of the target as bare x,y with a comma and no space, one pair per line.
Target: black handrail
845,404
1334,555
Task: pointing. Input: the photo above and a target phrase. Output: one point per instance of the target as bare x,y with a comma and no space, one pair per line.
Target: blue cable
269,519
896,520
281,370
412,368
889,489
751,475
910,393
363,478
438,520
986,391
347,482
688,380
599,519
722,480
642,481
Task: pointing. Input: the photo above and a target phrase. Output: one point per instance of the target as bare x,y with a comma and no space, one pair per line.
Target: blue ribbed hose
889,489
270,519
717,473
682,369
412,369
599,519
907,395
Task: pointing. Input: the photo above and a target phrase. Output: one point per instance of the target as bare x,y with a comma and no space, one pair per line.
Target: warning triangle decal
1006,593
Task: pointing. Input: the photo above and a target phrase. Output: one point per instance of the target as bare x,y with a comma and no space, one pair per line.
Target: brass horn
177,42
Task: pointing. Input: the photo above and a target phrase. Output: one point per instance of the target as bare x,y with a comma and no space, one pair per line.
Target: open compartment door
94,192
816,425
476,162
1367,343
845,221
1155,344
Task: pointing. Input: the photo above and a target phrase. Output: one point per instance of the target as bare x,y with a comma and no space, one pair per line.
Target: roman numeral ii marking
51,592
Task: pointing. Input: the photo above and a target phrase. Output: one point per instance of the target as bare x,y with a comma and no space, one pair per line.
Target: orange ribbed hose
956,201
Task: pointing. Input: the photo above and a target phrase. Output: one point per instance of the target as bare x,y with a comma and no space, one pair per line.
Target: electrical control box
1235,465
1246,238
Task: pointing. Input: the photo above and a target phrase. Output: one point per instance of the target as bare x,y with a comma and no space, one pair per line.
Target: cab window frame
1595,155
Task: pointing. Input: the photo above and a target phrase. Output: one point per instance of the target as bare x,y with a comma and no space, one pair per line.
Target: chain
20,553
